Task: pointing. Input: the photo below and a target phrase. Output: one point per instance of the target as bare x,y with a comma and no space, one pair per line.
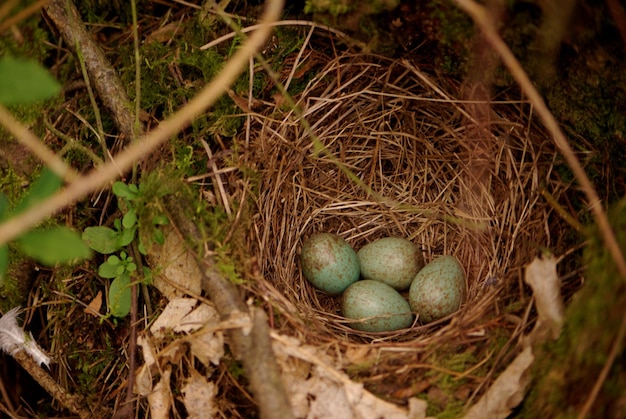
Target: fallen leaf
507,391
541,275
176,266
160,399
95,305
207,347
329,393
172,316
199,396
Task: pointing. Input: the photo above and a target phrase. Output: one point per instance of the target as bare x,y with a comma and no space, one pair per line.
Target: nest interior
383,147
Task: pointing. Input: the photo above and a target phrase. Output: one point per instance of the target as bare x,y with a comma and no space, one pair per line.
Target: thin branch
253,348
138,150
74,403
110,90
484,21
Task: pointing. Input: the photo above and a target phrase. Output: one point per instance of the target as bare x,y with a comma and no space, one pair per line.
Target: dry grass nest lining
390,126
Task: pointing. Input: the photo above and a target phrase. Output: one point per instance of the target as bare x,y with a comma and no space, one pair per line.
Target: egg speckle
438,290
392,260
329,263
386,309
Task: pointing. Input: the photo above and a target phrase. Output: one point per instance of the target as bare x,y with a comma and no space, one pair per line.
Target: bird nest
377,147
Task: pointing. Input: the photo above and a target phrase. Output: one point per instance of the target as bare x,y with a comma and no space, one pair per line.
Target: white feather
13,339
11,335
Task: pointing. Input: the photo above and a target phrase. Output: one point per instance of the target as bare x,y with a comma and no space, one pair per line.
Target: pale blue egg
383,307
329,263
392,260
438,290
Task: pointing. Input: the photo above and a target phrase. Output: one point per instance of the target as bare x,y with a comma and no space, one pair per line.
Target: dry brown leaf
326,391
203,315
143,376
208,347
541,275
160,399
507,391
199,396
147,350
510,387
175,264
94,306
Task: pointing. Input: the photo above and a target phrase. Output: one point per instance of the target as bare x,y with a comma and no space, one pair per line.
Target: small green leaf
25,81
120,296
122,190
160,220
158,236
53,246
113,260
47,184
106,270
130,218
4,261
142,249
102,239
120,270
126,236
147,275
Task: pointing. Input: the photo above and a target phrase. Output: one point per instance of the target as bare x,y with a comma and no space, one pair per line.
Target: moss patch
567,370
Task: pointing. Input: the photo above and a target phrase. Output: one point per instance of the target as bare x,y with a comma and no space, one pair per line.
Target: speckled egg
367,298
329,263
392,260
438,289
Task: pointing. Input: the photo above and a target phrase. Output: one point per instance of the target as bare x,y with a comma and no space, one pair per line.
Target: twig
483,20
108,85
136,151
253,348
75,404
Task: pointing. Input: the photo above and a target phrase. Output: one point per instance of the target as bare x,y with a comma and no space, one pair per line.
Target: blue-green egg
438,290
329,263
380,307
392,260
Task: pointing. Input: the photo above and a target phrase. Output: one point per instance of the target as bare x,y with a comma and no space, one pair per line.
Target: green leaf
142,249
25,81
102,239
113,260
158,236
160,219
53,245
4,261
47,184
107,270
122,190
130,218
126,236
147,275
120,296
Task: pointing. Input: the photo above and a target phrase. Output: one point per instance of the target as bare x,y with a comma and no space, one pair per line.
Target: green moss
566,370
